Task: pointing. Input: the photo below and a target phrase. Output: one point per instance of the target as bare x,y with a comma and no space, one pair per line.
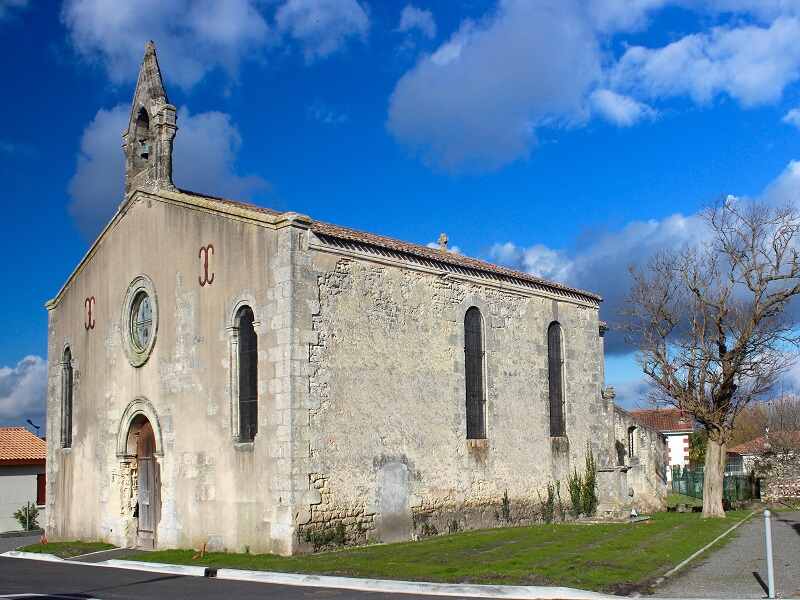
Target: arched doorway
141,444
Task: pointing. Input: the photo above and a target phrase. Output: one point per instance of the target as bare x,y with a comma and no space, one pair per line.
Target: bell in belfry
144,150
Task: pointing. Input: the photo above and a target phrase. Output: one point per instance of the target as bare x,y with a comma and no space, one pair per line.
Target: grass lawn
613,557
67,549
675,499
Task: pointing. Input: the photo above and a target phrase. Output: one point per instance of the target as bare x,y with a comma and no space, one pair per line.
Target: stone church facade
229,375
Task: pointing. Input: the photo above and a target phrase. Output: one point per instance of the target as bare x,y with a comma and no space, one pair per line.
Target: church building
230,375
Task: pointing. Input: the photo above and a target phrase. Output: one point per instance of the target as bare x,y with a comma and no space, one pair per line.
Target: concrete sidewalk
13,542
739,569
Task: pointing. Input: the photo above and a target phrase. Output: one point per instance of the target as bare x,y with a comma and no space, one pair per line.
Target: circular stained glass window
141,321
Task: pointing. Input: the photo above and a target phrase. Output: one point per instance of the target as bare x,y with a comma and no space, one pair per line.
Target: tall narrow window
66,399
474,366
631,439
555,371
248,375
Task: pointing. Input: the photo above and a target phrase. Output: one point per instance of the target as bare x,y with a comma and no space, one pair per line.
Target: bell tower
147,143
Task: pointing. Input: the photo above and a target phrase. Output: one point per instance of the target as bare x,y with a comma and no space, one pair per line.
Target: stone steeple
147,143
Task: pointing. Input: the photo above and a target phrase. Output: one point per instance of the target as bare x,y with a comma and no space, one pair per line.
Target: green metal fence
735,487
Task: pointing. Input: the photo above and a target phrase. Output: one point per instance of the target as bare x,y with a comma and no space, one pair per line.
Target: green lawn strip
604,557
674,499
67,549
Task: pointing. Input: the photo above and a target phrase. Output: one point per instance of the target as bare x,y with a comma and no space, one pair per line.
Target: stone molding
139,406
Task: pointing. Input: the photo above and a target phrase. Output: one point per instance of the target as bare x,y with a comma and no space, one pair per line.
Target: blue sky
564,138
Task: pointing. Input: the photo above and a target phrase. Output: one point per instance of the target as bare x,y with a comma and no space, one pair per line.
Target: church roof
329,230
18,446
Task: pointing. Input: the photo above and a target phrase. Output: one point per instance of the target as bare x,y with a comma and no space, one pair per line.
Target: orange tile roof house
22,473
760,445
676,425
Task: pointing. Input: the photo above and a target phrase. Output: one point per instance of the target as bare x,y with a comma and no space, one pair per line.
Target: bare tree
711,324
776,414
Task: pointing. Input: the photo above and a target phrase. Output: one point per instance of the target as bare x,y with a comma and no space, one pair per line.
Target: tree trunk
713,479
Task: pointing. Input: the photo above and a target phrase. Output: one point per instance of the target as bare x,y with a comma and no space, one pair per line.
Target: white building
676,426
22,474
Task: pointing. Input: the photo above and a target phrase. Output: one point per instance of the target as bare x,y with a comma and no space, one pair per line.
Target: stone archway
139,447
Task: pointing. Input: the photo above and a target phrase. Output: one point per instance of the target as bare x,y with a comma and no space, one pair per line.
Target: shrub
589,486
548,506
575,487
27,516
560,503
505,508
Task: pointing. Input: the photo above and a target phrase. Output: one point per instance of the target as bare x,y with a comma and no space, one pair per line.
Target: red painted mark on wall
204,254
88,304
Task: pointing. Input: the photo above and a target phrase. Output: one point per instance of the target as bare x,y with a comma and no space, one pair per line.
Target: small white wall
17,486
678,451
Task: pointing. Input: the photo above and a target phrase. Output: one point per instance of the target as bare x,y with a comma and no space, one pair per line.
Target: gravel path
739,569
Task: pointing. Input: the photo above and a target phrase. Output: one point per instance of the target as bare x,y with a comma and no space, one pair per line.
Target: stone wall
644,465
780,475
386,401
360,382
213,490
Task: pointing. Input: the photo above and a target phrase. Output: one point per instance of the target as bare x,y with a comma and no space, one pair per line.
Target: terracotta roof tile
418,250
665,420
20,446
783,439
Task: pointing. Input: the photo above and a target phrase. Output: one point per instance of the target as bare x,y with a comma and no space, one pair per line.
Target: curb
32,556
21,533
412,587
510,592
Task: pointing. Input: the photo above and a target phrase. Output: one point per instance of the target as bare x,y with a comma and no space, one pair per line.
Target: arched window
66,399
474,371
555,375
248,375
631,439
142,137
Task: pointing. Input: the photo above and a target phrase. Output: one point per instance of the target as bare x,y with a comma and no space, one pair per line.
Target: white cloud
602,265
193,37
23,392
451,249
785,189
766,10
751,64
620,110
538,260
322,26
204,160
634,393
792,117
622,15
413,18
475,103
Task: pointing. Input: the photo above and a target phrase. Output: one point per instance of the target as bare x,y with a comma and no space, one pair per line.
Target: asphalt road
75,581
739,570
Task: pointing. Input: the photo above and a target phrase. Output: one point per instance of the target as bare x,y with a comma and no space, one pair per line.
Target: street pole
770,568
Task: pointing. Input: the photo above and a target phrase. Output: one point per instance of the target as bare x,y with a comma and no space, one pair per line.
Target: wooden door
148,488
